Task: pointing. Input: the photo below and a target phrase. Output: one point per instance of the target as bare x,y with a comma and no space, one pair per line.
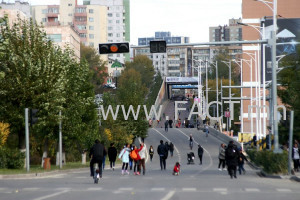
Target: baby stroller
190,158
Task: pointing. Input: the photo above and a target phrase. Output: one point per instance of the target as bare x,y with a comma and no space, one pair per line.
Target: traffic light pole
27,139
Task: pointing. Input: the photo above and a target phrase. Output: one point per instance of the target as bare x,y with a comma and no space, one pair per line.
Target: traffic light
109,48
158,46
33,116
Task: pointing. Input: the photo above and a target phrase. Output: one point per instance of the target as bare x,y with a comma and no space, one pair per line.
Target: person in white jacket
142,154
124,155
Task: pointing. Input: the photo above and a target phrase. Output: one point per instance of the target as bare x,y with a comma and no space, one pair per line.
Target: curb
40,174
295,178
266,175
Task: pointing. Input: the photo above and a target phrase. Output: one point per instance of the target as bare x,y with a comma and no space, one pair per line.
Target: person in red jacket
136,159
176,169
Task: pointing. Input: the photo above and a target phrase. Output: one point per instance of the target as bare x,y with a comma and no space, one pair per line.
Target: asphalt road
195,181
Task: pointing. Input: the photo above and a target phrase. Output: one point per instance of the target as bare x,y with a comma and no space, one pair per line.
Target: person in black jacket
231,157
112,155
241,160
200,153
96,153
171,147
162,151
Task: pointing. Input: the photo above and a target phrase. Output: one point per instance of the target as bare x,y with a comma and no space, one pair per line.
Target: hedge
273,163
11,158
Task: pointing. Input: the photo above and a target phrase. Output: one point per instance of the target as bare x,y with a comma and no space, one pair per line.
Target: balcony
55,15
80,14
52,24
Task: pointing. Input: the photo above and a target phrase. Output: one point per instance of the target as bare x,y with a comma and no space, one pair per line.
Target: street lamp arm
253,26
266,3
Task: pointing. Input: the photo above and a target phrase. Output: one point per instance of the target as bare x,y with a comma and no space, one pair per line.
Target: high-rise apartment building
118,23
90,21
22,6
231,32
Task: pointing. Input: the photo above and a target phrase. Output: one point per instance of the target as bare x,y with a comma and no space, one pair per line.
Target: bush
272,163
11,158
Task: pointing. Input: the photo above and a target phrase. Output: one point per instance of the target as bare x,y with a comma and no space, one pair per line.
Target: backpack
133,155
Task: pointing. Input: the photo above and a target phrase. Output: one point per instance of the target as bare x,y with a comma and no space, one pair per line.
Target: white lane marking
30,189
283,190
158,189
179,157
189,189
210,158
220,189
94,189
252,190
3,189
169,195
126,189
52,195
63,188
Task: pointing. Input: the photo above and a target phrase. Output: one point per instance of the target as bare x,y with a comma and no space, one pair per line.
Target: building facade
22,6
231,32
118,23
89,21
255,13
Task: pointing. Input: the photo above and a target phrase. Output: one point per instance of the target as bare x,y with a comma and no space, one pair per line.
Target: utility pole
27,140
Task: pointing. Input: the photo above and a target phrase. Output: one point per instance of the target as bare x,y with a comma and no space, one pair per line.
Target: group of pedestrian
137,157
234,158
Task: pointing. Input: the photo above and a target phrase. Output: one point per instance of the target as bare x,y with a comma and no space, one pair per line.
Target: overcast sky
190,18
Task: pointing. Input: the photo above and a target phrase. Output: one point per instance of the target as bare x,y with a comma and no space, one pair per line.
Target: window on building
118,14
110,35
80,10
118,21
110,21
81,27
80,19
91,19
54,37
91,44
91,10
91,36
44,11
82,35
91,27
69,4
118,34
70,14
110,28
44,19
109,14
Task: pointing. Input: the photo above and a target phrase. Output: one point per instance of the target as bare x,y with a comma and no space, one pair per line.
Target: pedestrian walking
151,152
231,157
222,157
166,125
170,123
112,155
206,130
171,148
162,152
241,160
136,159
200,153
142,154
296,156
124,155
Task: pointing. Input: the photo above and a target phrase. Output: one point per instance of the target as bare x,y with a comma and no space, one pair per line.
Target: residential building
118,23
231,32
89,21
22,6
13,15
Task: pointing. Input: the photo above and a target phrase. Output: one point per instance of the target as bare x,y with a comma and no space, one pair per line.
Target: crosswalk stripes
252,190
283,190
189,189
158,189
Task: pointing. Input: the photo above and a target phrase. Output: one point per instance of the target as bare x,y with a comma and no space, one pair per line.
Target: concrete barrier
221,136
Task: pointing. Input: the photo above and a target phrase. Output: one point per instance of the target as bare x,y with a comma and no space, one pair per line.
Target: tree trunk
83,158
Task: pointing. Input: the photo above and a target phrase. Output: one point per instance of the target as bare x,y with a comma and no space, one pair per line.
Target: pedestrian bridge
180,83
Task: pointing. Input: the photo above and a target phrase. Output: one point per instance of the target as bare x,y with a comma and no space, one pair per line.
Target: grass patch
39,169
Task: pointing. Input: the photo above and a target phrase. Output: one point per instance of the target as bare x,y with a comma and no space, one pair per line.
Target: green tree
144,66
96,66
289,92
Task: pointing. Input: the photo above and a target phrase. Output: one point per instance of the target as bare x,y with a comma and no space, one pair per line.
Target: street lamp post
274,74
228,64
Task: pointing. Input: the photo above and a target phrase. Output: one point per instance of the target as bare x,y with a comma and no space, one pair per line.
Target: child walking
176,169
